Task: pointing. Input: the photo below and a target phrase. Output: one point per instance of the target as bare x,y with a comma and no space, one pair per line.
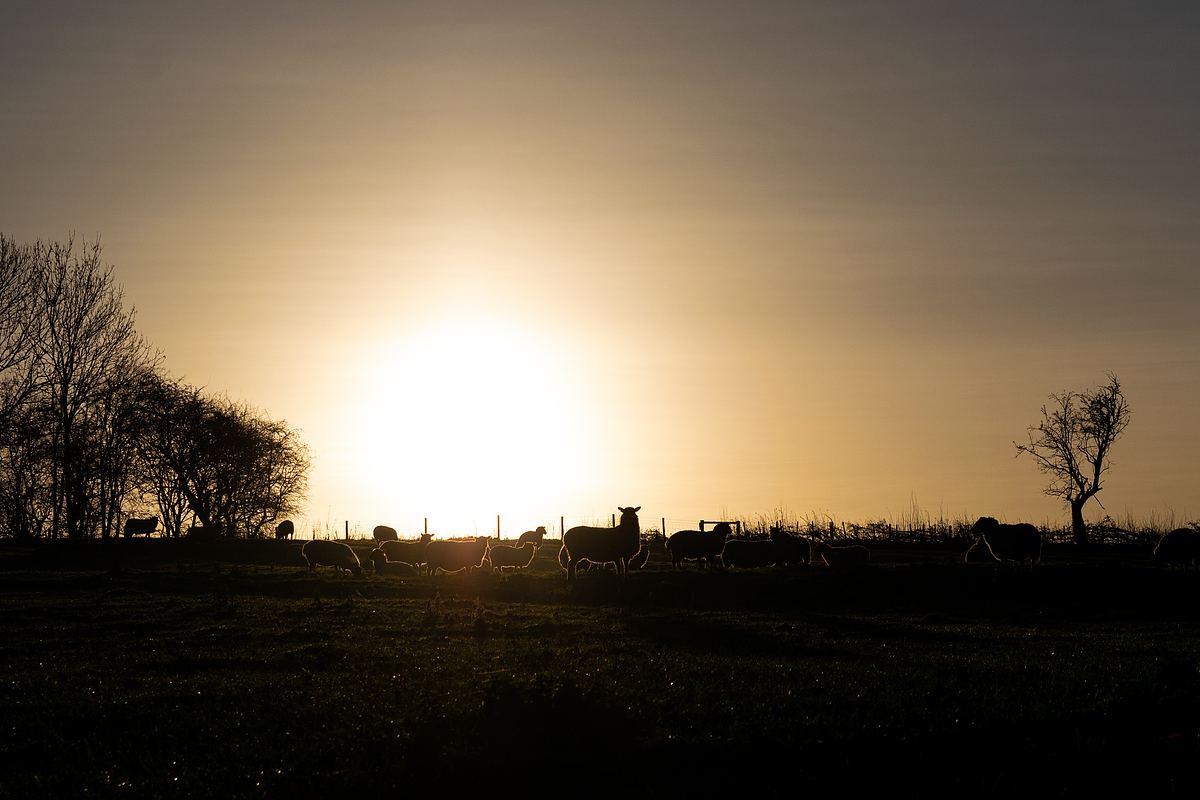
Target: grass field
172,668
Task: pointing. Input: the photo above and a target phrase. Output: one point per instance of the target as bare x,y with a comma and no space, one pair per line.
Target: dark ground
175,668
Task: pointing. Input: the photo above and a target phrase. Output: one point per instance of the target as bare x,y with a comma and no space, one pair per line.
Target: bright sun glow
465,420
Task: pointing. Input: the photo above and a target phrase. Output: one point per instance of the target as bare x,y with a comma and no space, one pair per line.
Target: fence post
561,527
497,527
347,530
664,528
614,520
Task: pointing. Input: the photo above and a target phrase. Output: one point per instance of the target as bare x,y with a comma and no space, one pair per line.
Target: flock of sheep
622,546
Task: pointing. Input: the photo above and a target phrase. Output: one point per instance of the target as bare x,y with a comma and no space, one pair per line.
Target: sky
546,259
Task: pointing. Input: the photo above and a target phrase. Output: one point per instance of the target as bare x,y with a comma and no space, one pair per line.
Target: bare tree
235,468
1071,444
20,324
88,343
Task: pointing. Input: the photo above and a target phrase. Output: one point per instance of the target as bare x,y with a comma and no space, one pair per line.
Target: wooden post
614,520
497,527
702,526
426,525
664,528
562,528
347,530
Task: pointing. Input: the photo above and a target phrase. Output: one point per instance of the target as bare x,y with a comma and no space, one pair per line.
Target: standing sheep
704,546
384,533
534,536
407,552
141,527
601,545
749,553
1017,543
1180,546
503,555
285,529
455,556
847,557
791,549
322,553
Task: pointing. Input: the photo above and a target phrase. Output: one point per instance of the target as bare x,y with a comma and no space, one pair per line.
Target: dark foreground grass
163,671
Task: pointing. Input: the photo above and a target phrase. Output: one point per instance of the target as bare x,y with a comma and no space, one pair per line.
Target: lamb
847,557
534,536
137,527
385,567
698,545
455,556
791,549
285,529
601,545
322,553
503,555
1180,546
749,553
407,552
384,533
1016,543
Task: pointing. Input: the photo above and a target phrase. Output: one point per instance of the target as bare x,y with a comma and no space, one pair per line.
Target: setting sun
464,414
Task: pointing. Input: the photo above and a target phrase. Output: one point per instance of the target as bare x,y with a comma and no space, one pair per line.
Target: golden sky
544,259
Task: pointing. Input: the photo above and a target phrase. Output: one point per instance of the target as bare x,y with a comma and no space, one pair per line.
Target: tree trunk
1078,527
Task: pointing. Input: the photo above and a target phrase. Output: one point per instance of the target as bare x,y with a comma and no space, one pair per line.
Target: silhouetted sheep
200,533
412,552
455,556
854,555
744,553
383,566
503,555
698,545
384,533
321,553
791,549
1020,542
601,545
141,527
285,529
640,558
1180,546
534,536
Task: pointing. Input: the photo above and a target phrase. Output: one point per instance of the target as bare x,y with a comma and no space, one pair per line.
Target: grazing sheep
503,555
1017,543
601,545
698,545
407,552
743,553
534,536
285,529
1180,546
854,555
322,553
200,533
138,527
385,567
790,549
384,533
455,556
639,560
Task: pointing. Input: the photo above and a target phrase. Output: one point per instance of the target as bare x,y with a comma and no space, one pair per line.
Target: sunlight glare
464,420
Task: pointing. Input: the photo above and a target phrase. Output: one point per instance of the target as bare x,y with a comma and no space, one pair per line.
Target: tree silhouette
1071,444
